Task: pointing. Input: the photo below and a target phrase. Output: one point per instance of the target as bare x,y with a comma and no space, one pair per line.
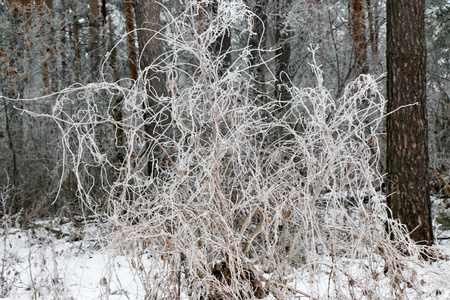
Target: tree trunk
14,88
118,99
131,37
46,33
257,43
76,42
373,17
407,135
94,39
104,13
358,26
283,52
150,47
147,14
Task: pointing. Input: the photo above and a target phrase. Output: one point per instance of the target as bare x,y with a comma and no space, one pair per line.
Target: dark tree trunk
94,39
357,16
150,46
257,43
373,18
46,33
407,136
75,32
131,42
147,14
221,47
283,52
104,13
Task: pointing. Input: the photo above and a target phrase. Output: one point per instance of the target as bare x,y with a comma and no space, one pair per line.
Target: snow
55,259
40,263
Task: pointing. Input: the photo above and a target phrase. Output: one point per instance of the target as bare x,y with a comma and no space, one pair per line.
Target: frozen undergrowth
61,261
246,196
53,259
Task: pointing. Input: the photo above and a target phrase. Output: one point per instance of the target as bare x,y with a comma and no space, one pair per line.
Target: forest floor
63,259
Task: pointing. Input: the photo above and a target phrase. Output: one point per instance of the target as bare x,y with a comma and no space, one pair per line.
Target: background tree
148,23
75,38
132,53
258,44
374,26
283,52
94,37
407,128
357,12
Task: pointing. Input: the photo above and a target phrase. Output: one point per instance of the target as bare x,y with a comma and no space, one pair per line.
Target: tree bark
283,53
104,13
357,16
373,18
150,47
147,14
46,35
257,43
76,42
407,131
131,37
118,99
94,39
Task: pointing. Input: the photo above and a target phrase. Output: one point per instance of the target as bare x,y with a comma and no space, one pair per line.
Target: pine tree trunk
131,37
407,136
46,33
357,16
94,39
147,14
150,47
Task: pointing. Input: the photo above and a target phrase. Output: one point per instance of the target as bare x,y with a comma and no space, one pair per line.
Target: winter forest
224,149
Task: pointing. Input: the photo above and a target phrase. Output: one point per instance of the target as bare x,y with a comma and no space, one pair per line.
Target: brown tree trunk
150,47
104,13
131,37
47,51
407,131
94,39
358,26
147,14
65,74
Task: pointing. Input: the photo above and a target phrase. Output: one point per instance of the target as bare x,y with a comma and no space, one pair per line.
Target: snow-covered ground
55,260
58,259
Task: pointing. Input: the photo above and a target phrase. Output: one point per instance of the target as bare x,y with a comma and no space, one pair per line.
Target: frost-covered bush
242,199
